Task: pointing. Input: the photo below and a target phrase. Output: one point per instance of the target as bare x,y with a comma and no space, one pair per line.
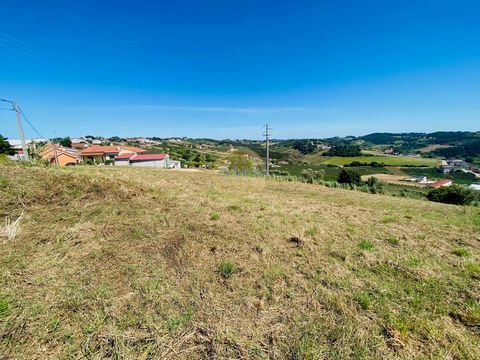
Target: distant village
93,151
102,151
446,167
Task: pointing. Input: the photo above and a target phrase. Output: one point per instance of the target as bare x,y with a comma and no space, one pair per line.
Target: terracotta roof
100,150
441,183
149,157
124,156
134,149
51,147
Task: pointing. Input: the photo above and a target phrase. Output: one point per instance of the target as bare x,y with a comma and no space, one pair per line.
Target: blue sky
222,69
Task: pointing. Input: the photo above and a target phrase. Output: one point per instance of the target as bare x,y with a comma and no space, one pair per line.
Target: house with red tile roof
59,155
100,154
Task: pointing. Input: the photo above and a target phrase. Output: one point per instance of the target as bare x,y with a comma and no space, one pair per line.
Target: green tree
374,185
63,141
5,147
349,177
455,194
345,151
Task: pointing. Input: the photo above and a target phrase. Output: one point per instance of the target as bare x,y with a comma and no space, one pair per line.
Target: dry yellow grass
144,263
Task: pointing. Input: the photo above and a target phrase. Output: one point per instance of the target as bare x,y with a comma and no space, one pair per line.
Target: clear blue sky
223,68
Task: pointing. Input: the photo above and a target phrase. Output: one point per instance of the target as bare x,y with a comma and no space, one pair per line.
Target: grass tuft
215,216
365,245
364,300
227,268
461,252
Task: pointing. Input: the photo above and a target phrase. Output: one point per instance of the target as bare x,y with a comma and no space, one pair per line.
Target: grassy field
143,263
386,160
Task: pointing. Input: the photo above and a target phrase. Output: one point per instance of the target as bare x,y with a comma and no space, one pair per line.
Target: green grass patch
227,269
4,305
215,216
461,251
364,300
178,321
365,245
392,240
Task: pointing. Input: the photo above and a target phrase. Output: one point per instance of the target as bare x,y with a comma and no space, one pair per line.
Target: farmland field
386,160
131,263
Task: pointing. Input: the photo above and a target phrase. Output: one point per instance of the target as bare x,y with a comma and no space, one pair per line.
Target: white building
161,161
475,187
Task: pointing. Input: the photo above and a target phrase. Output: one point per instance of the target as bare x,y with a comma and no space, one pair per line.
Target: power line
30,123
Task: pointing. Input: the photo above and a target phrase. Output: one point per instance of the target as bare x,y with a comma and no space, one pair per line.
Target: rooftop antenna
20,127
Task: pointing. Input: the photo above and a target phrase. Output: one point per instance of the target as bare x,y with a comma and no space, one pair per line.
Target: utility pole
20,127
55,148
267,144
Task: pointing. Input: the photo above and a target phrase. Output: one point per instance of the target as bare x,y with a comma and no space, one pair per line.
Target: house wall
162,164
122,162
175,165
64,160
96,158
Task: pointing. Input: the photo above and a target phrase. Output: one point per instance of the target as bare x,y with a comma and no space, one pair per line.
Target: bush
455,195
374,185
349,177
312,176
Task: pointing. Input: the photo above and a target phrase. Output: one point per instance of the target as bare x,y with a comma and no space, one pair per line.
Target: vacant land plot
144,263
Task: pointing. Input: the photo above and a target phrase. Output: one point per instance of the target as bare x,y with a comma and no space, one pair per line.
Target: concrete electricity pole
20,127
267,143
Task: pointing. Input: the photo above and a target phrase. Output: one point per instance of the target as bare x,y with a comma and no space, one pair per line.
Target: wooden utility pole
267,145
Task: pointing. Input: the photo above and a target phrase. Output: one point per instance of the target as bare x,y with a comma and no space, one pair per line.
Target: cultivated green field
136,263
387,160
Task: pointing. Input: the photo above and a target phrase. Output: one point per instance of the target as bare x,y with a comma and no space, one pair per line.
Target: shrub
455,194
311,176
374,185
349,177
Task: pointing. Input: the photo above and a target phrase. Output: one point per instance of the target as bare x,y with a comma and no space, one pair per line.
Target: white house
123,159
160,161
475,187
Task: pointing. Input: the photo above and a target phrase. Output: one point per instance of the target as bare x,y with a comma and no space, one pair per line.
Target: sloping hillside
144,263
